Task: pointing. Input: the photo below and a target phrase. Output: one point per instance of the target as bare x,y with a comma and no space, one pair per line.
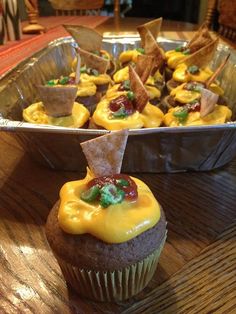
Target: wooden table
197,269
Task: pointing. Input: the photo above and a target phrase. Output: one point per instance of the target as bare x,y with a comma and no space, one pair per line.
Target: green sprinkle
95,72
181,114
96,52
141,50
122,182
179,48
83,69
193,69
111,195
186,52
126,84
91,194
130,95
64,80
121,113
50,83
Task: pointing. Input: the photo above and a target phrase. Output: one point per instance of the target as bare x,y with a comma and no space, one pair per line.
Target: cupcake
127,108
107,231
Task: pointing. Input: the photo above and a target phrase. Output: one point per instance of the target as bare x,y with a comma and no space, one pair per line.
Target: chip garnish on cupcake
129,109
107,230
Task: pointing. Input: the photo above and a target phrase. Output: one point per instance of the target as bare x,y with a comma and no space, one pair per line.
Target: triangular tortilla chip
137,87
144,66
201,39
203,56
217,72
58,101
105,153
208,101
87,38
93,61
153,26
152,48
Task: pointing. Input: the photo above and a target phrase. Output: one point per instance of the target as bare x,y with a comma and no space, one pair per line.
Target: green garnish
91,194
130,95
181,114
193,69
95,72
51,83
186,52
122,182
83,69
96,52
121,113
110,194
141,50
126,84
179,48
105,57
63,80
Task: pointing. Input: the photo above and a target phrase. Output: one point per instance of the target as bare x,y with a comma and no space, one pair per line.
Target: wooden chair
221,16
77,7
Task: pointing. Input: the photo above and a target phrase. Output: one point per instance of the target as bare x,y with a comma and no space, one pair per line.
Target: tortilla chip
208,101
201,39
93,61
87,38
58,101
144,66
217,72
153,26
137,87
203,56
152,48
105,153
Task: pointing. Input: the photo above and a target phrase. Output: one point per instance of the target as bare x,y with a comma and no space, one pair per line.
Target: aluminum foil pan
164,149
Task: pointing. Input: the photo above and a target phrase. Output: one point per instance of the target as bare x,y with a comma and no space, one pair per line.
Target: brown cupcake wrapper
114,285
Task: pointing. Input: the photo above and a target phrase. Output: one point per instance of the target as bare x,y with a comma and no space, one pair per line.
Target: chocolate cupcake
107,230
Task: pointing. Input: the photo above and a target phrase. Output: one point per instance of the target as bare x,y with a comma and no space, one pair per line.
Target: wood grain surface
197,269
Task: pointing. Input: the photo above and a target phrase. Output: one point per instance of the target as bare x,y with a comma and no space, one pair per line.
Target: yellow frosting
185,96
129,56
150,117
174,57
221,114
98,80
182,75
35,113
153,91
115,224
121,75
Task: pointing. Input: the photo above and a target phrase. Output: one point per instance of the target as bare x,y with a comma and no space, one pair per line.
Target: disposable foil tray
163,149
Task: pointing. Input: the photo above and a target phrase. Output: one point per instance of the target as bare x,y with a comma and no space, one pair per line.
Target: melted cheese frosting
115,224
150,117
221,114
182,75
129,56
35,113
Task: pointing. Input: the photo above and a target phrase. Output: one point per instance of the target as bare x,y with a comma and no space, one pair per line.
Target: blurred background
181,10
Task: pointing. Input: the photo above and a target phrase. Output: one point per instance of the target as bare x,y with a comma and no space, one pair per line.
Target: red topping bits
121,107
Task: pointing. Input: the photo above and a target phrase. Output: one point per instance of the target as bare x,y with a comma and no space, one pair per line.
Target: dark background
181,10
